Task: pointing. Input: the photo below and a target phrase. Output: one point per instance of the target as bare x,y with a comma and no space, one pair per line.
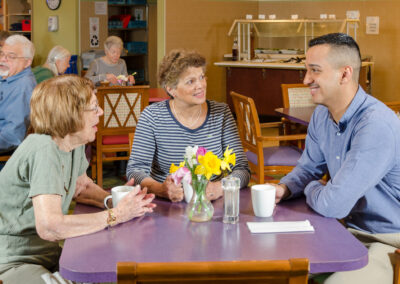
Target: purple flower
182,174
201,151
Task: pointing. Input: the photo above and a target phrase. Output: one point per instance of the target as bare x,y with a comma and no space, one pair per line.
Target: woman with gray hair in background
56,64
110,66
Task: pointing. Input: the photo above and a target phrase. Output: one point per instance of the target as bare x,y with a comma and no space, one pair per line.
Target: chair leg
99,165
396,279
94,170
261,175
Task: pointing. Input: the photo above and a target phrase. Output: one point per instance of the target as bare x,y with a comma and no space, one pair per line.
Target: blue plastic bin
137,24
136,2
117,2
138,47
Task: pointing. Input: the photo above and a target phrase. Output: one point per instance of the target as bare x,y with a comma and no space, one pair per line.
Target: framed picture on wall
138,14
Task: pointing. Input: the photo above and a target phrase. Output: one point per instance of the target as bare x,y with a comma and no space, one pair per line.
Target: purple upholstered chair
277,160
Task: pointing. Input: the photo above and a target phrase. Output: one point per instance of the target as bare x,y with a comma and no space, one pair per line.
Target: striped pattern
161,140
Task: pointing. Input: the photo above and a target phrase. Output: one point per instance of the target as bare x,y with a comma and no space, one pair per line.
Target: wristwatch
111,219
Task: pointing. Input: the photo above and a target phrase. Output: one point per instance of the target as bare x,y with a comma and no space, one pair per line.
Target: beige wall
384,48
203,25
67,34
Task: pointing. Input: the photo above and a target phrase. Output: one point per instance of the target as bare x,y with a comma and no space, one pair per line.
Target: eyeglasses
11,56
95,108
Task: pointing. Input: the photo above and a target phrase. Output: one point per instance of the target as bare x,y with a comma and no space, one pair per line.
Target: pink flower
182,174
201,151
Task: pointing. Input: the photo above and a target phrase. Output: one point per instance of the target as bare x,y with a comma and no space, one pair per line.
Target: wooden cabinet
128,19
262,84
17,16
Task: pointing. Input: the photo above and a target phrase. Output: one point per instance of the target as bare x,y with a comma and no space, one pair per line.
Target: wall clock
53,4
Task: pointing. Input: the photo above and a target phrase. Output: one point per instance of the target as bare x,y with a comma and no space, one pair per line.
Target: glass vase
199,208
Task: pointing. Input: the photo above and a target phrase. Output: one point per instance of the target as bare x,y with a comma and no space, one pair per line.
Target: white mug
263,199
117,193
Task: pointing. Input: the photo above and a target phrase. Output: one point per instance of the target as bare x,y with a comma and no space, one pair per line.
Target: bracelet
111,219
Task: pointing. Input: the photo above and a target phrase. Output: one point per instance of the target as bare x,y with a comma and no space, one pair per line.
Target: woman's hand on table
135,204
112,78
172,191
131,80
214,190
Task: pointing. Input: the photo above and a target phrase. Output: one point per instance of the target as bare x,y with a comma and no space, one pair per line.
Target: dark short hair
345,50
336,39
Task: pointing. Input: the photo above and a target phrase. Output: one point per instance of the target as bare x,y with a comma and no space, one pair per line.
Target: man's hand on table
281,192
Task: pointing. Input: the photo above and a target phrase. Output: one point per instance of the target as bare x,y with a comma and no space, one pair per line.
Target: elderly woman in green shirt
45,173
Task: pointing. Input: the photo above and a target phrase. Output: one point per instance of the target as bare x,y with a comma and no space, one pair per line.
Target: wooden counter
262,81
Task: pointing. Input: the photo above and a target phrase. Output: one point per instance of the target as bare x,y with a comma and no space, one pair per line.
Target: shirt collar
17,76
355,104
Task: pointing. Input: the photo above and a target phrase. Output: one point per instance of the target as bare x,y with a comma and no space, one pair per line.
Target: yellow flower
211,164
174,168
229,159
200,170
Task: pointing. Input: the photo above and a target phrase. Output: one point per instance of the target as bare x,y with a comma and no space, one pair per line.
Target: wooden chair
396,279
292,271
4,158
122,107
395,106
277,160
295,95
131,137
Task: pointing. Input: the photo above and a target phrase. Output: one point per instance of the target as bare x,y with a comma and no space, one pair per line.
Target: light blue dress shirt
15,96
362,155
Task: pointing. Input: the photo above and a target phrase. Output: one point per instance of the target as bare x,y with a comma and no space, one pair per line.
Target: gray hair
113,40
56,53
29,49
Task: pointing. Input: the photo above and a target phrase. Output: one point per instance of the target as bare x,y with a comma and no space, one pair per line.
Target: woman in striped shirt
165,129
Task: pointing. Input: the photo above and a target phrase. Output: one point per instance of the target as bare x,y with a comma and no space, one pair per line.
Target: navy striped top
161,140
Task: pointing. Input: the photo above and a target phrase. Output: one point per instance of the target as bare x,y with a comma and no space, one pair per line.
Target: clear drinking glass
231,186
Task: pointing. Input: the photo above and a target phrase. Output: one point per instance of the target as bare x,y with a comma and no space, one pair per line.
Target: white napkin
280,227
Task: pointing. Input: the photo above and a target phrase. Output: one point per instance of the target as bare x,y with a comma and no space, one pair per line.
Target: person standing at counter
165,129
355,138
110,66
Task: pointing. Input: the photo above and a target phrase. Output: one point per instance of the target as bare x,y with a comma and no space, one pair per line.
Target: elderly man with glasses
16,85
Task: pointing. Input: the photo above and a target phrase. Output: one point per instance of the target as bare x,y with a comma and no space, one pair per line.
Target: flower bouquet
198,167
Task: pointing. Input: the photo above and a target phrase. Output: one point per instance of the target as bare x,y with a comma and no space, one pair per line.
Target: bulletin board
89,21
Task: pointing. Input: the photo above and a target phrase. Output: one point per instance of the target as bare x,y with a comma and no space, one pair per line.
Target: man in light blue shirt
16,85
355,138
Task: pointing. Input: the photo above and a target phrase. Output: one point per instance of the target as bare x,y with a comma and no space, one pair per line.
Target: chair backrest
296,95
122,107
293,271
247,121
131,137
395,106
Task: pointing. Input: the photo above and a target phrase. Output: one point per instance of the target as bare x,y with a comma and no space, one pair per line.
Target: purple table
300,115
167,236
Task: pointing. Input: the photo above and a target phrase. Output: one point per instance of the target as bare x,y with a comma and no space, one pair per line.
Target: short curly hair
177,62
58,104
